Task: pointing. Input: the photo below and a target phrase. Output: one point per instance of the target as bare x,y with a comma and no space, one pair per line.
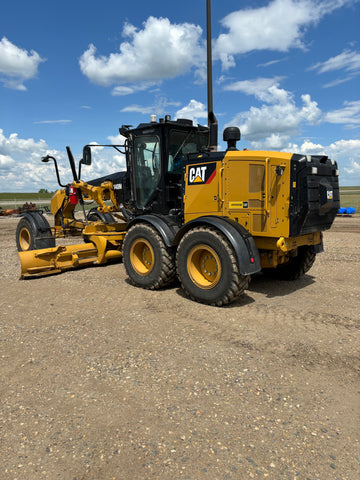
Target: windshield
182,143
146,167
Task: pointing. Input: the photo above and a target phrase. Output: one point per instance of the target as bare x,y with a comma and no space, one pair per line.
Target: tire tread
168,271
238,282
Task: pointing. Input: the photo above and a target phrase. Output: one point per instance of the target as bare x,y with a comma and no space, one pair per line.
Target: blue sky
285,71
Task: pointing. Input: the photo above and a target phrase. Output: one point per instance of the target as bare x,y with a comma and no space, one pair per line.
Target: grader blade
61,258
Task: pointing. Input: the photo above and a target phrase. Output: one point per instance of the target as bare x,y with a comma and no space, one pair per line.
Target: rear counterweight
314,194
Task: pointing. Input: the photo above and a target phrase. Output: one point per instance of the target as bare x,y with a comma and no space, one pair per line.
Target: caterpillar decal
202,174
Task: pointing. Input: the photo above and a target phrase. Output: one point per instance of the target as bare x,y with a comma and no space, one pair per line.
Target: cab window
182,143
146,167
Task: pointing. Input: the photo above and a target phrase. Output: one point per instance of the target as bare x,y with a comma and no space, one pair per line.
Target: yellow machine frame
252,188
103,241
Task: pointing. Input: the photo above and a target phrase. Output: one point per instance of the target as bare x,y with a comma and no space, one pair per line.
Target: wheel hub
24,239
204,266
142,257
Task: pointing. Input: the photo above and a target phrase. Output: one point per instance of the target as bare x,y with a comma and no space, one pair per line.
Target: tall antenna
212,121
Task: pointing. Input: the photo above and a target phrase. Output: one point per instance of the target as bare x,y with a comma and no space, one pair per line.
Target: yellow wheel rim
204,267
24,239
142,257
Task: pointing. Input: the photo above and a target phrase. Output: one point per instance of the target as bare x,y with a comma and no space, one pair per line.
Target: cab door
147,168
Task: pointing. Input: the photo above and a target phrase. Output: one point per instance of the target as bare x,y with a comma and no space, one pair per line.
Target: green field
349,197
16,200
24,196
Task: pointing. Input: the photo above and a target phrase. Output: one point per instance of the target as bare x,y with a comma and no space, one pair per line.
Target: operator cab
154,157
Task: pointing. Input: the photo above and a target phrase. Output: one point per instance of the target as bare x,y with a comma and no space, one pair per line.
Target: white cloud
272,124
105,161
59,122
140,109
163,50
345,152
160,106
337,82
265,89
5,162
310,148
349,114
122,90
354,170
347,60
160,50
271,62
192,111
21,168
17,65
13,145
277,122
278,26
116,139
310,110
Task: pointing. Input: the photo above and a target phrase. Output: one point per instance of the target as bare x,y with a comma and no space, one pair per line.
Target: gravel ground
102,380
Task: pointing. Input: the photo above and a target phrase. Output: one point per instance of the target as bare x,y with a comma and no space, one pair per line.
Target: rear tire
207,268
296,267
148,262
29,236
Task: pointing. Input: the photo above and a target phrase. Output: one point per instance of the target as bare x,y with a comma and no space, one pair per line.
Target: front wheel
207,267
34,234
148,262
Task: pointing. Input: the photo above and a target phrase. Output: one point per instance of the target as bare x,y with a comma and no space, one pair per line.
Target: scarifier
183,209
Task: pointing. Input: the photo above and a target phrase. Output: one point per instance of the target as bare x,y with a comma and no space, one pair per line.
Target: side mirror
86,160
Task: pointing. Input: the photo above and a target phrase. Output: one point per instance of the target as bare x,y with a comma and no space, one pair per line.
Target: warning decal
236,205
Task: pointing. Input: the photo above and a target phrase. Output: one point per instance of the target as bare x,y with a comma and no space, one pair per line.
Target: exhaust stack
212,121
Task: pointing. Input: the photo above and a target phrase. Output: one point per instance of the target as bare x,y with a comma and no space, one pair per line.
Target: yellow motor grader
181,209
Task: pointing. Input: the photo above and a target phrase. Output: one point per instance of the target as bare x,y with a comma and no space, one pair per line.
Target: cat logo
200,174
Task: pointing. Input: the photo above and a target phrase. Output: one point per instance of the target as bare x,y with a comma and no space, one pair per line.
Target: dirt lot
101,380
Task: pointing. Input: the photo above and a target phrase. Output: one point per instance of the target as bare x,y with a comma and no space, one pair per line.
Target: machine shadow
262,284
272,287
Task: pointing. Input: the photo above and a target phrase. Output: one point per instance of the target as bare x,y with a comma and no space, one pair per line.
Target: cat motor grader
212,218
184,209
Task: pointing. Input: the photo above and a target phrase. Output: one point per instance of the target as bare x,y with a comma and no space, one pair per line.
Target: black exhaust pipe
212,121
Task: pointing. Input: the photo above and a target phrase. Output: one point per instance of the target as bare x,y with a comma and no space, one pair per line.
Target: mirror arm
45,160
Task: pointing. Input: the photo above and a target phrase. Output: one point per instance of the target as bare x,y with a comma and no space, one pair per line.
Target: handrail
221,189
267,162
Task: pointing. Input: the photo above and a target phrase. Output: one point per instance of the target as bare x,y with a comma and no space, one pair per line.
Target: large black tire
148,262
95,216
207,267
34,234
296,267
